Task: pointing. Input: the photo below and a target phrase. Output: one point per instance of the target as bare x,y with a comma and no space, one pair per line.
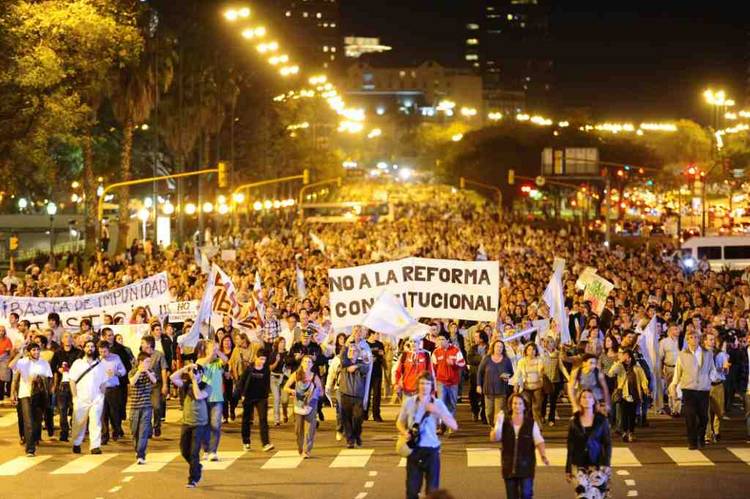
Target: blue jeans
140,428
191,438
519,488
449,395
280,397
215,414
423,464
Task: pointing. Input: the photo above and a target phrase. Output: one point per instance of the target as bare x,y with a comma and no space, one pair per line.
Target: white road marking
402,462
20,464
225,461
154,462
632,493
556,455
361,495
623,472
352,458
9,420
126,479
482,457
83,464
630,482
284,459
369,485
623,456
373,473
114,489
685,457
742,453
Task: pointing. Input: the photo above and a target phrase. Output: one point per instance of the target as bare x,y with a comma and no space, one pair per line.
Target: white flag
301,288
389,316
318,242
554,297
648,342
258,284
205,263
190,339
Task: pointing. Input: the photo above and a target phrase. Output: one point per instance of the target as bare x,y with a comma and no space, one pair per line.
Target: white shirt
88,388
668,350
698,354
27,369
15,336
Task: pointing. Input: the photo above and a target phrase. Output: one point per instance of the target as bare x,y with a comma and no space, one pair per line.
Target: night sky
624,60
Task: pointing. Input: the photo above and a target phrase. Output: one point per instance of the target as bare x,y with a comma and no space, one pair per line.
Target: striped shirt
140,391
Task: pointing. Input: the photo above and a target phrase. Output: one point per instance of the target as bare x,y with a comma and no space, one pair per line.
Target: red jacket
409,367
448,373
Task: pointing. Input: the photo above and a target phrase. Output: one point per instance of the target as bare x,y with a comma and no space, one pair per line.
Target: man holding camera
356,363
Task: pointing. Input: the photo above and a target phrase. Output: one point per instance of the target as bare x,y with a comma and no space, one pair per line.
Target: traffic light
526,189
305,176
692,170
462,183
223,175
511,176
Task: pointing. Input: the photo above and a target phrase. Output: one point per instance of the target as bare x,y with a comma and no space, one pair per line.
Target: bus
721,251
347,212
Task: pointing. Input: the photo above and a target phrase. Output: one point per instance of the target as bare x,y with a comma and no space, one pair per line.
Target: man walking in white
88,383
669,348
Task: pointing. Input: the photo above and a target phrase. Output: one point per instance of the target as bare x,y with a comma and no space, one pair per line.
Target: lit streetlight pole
51,211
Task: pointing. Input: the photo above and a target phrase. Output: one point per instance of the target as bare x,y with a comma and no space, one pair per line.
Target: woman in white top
528,379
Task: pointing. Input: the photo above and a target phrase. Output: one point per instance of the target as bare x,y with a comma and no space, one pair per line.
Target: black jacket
596,449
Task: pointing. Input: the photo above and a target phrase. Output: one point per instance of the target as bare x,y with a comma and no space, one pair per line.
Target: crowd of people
297,358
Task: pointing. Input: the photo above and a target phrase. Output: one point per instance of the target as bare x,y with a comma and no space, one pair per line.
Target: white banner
426,287
151,293
131,335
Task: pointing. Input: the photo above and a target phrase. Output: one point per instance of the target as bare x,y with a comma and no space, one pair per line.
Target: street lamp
51,211
22,204
168,208
143,214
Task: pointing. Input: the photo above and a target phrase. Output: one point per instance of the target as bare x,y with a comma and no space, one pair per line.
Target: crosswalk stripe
556,455
623,456
685,457
20,464
225,461
9,420
402,462
283,460
154,462
83,464
352,458
482,457
742,453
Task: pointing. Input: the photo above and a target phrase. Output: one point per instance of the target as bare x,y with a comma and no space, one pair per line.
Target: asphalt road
657,465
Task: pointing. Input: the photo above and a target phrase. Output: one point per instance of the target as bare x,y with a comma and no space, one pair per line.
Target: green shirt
213,375
194,412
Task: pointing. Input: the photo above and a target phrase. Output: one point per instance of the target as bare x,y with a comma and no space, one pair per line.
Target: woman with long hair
277,363
520,437
632,388
305,387
529,379
230,403
419,419
589,449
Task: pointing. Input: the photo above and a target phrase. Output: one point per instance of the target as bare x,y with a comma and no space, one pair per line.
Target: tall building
312,30
508,43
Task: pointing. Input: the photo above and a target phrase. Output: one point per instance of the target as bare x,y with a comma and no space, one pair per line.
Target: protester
279,375
112,397
32,378
254,388
305,387
519,435
423,413
529,377
448,363
88,384
212,359
632,387
160,389
589,449
413,361
356,366
62,360
142,381
493,375
194,431
376,378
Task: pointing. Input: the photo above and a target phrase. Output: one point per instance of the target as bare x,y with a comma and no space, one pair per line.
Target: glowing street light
375,132
22,203
495,116
457,137
190,209
223,209
468,112
168,208
238,197
208,207
257,206
405,173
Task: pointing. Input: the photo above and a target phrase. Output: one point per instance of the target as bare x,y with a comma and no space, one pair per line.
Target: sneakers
350,445
76,449
268,447
213,457
96,451
306,455
551,423
140,460
377,419
339,436
191,485
30,454
277,423
246,446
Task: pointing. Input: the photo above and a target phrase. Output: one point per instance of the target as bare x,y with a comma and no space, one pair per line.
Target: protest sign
597,291
426,287
151,293
228,255
179,311
586,276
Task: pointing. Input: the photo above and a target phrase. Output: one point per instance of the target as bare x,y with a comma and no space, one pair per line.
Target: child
142,380
255,385
194,393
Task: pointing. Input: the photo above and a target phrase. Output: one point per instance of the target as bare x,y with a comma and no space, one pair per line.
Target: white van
721,251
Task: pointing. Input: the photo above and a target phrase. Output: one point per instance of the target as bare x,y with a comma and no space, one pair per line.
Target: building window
472,41
305,14
402,73
288,13
510,17
333,25
333,57
472,57
333,49
472,26
319,15
325,48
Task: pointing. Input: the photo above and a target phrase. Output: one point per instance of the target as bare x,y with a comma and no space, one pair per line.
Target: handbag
405,444
306,407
